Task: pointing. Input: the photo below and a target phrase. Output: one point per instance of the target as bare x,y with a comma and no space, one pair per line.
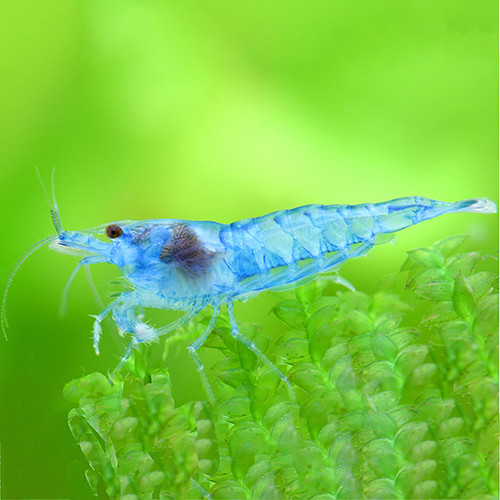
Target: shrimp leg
125,318
86,261
196,359
97,330
251,345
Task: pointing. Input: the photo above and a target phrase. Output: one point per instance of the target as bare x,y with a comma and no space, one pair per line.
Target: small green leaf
323,301
473,373
149,481
431,275
478,488
308,459
410,435
422,374
383,347
409,266
382,458
235,409
486,322
308,377
425,489
435,290
456,446
228,491
388,322
248,359
360,344
343,453
265,487
123,427
426,257
286,478
436,409
451,331
316,416
92,386
347,380
320,341
359,321
469,467
439,312
321,481
203,446
266,387
284,434
410,358
349,486
353,400
236,377
320,318
247,432
92,479
449,245
382,424
292,350
403,337
381,488
228,341
462,264
381,375
328,434
481,283
403,415
242,459
275,413
416,474
444,409
291,313
450,427
255,472
422,451
385,400
306,294
332,355
463,297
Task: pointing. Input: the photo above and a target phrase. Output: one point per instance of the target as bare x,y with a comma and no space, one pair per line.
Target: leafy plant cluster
382,410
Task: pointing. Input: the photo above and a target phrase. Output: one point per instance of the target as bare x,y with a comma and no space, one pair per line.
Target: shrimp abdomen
324,234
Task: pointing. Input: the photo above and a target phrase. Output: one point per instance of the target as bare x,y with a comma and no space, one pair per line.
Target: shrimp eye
113,231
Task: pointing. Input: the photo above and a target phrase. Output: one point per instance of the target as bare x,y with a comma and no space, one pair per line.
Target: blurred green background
217,110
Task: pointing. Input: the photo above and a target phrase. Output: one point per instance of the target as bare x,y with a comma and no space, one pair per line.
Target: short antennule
54,201
54,211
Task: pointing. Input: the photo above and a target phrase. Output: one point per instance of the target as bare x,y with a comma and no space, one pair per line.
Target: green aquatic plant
397,397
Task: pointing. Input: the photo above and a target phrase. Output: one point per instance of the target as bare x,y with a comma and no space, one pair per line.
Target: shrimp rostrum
189,265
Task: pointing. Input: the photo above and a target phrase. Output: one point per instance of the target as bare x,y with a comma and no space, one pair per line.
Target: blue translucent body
212,264
254,254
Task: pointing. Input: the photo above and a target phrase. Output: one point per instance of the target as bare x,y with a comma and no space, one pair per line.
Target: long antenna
19,263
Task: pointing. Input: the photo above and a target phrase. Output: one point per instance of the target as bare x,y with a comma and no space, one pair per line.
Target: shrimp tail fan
477,205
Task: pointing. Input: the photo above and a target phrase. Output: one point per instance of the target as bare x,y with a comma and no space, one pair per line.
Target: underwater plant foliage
383,410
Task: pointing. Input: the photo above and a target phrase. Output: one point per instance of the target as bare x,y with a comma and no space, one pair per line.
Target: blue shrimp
189,265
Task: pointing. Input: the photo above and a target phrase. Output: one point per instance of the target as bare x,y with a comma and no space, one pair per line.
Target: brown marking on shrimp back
186,251
141,233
